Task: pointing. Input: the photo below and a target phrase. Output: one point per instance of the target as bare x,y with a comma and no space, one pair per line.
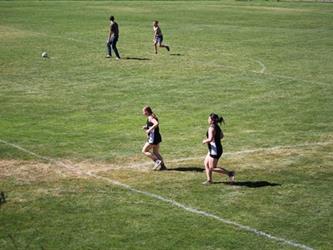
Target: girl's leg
146,151
212,164
155,47
165,46
156,151
159,165
231,174
207,170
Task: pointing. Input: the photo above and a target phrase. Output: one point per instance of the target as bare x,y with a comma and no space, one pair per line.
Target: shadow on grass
2,198
251,184
187,169
137,58
176,54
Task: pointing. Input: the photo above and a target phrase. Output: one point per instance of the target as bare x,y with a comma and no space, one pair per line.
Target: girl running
215,149
153,139
158,37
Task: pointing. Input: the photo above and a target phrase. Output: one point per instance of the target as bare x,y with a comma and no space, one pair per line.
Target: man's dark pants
112,45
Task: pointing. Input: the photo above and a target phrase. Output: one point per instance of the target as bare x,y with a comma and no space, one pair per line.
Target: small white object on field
45,55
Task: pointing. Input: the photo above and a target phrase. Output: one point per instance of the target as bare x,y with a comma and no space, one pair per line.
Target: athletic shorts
218,156
215,151
154,138
158,39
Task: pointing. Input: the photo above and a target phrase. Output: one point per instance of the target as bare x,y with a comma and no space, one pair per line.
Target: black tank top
150,124
218,133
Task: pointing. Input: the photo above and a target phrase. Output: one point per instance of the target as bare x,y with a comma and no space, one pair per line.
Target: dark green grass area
91,215
264,65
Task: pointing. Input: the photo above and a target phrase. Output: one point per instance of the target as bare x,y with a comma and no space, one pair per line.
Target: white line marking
84,41
246,151
161,198
263,67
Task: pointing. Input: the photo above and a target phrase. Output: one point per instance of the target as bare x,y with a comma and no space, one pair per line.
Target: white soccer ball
45,55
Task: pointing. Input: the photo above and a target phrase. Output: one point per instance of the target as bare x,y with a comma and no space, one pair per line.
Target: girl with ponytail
154,139
215,150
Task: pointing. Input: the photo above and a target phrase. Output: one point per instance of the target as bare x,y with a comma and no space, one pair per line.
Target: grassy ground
266,66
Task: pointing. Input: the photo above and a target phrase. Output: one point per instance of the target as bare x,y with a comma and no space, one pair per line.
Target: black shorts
154,139
215,151
218,156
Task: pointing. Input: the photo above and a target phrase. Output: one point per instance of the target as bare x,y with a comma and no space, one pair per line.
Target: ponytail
150,112
221,120
154,116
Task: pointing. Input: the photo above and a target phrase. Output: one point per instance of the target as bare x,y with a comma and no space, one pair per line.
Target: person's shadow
2,198
187,169
137,58
249,184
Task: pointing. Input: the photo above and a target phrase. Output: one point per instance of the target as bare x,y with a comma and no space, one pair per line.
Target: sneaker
231,175
207,182
168,48
157,165
108,56
117,58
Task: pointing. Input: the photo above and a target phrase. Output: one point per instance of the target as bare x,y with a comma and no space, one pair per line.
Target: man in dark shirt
113,39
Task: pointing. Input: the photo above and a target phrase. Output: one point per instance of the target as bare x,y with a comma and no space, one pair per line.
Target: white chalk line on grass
263,67
241,152
161,198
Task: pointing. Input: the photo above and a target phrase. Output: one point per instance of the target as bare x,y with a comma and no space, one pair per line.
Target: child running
154,139
215,149
158,37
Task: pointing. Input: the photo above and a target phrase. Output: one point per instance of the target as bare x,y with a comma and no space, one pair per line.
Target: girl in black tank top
215,150
154,137
152,146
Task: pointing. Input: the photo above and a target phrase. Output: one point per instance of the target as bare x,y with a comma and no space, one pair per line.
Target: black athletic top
154,137
114,29
158,31
215,147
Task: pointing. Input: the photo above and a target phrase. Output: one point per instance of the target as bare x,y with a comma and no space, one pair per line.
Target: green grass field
70,125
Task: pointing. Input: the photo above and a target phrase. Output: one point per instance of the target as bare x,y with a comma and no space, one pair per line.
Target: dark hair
149,111
216,119
111,18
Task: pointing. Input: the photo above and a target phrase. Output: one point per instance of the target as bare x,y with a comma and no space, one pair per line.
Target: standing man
113,39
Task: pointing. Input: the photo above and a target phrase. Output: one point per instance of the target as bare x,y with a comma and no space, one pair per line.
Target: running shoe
157,165
231,175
